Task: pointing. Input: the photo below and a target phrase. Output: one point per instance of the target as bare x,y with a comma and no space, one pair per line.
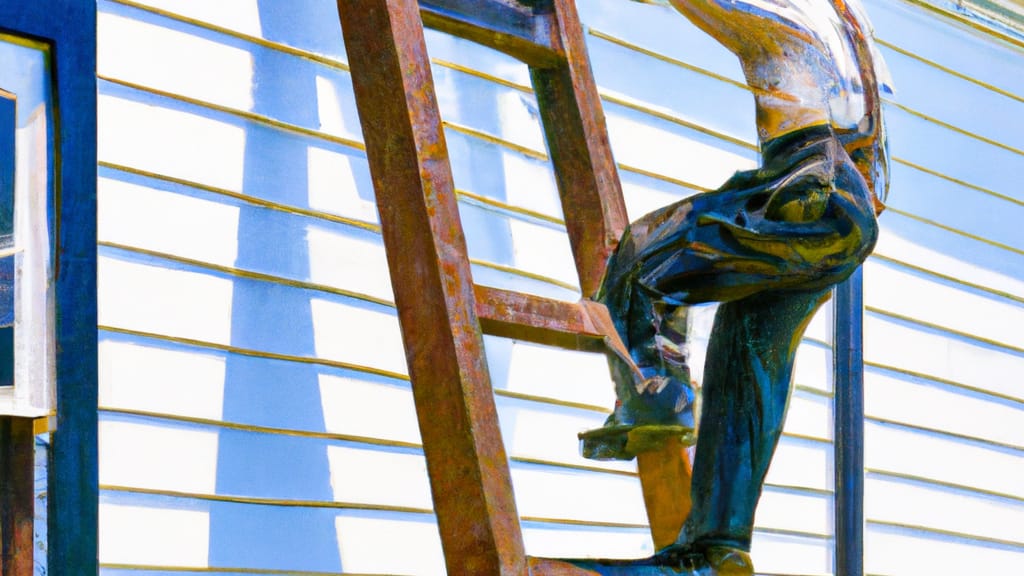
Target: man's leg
654,397
745,391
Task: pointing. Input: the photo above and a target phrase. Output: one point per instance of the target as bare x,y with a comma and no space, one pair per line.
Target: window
47,258
26,278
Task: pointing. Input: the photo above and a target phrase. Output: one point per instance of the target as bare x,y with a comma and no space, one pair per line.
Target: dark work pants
768,244
745,391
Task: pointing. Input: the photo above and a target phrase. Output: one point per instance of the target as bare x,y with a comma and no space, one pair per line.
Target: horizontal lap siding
255,413
945,298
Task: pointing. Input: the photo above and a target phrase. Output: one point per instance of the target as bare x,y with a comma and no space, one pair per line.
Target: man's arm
743,25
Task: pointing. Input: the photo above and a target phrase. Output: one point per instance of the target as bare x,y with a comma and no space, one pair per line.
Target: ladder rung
510,27
536,319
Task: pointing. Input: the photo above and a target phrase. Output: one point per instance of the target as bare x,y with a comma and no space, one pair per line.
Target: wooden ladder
443,314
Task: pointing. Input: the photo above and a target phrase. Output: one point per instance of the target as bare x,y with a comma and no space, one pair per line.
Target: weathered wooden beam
584,325
537,319
509,26
17,495
426,251
577,137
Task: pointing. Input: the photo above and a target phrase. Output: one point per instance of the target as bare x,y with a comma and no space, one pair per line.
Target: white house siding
255,412
945,302
254,409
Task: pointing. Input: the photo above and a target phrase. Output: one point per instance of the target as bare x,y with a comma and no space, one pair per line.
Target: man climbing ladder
769,244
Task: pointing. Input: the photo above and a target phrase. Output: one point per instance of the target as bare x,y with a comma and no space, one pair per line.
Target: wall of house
255,410
944,295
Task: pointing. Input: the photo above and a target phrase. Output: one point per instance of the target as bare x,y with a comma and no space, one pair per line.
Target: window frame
69,27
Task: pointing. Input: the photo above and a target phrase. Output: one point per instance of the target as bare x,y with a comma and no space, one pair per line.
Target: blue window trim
69,27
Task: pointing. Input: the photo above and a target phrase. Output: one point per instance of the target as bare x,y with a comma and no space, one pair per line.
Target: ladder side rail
551,42
574,124
595,215
426,250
